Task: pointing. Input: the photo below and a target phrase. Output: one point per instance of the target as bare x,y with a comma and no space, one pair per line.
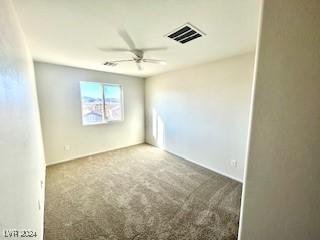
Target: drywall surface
60,109
21,149
282,186
202,113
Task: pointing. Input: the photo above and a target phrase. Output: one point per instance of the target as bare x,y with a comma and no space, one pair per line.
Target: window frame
104,121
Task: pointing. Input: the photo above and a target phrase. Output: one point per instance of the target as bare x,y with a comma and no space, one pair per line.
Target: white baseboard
215,170
202,165
90,154
189,160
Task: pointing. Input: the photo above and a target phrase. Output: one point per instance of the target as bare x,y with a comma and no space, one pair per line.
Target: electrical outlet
66,147
234,163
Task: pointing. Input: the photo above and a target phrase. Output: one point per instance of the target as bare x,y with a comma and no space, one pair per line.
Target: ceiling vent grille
185,33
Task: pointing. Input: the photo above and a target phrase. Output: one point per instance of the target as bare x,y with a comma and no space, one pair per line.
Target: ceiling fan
138,54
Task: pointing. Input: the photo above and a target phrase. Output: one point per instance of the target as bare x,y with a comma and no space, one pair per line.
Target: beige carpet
140,192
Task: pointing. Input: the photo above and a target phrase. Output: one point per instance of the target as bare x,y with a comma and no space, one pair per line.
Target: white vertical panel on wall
282,185
21,151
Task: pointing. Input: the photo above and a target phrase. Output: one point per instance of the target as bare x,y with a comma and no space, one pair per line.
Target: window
113,102
101,103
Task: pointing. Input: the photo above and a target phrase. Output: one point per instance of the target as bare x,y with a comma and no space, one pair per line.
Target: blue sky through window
92,90
111,91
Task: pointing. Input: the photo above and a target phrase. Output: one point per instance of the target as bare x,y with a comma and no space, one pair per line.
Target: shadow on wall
158,129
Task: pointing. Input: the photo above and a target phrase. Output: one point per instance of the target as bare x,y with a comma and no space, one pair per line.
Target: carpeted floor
139,192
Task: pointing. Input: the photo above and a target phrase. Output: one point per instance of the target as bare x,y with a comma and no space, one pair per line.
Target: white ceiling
70,32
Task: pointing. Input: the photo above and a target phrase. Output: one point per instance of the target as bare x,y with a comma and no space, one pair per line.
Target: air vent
185,33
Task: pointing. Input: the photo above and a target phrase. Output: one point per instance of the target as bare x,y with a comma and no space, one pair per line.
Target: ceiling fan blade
114,63
126,37
162,62
114,50
139,66
154,49
125,60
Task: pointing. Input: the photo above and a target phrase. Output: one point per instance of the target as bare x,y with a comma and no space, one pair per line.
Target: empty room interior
149,119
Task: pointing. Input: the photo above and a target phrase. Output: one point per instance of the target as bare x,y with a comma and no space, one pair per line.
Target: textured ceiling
70,32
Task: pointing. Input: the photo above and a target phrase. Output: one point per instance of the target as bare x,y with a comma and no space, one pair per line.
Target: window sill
103,123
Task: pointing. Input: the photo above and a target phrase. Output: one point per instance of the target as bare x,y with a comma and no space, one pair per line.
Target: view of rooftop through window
101,103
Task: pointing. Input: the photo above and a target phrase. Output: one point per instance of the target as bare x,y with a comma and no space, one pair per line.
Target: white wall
21,150
60,110
202,113
282,185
